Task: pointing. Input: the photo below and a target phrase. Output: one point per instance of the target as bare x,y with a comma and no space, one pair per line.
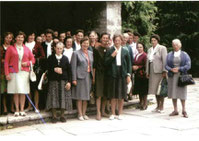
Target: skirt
19,83
99,84
117,87
140,85
174,91
83,88
154,81
58,97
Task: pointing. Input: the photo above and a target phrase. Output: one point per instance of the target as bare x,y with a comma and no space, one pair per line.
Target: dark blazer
111,66
45,48
44,61
141,61
131,54
185,64
52,63
79,64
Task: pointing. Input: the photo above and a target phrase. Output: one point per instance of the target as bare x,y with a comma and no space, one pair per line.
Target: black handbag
185,79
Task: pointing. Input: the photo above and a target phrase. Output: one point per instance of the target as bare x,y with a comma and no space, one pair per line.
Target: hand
128,79
147,76
8,77
24,64
68,85
114,53
164,74
135,67
58,70
75,83
175,70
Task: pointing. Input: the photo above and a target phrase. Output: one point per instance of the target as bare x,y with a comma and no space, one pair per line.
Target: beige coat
159,59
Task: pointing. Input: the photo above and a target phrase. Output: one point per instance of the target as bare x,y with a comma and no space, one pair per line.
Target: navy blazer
185,63
130,53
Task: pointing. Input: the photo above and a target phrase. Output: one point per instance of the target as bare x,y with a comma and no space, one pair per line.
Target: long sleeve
74,66
7,60
164,56
108,58
187,64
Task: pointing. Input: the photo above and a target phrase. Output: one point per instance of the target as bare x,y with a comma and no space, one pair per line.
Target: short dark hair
141,44
68,37
156,36
49,31
117,35
84,39
105,33
79,30
136,34
6,34
20,33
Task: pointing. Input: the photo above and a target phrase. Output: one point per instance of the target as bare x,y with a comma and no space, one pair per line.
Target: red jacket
12,60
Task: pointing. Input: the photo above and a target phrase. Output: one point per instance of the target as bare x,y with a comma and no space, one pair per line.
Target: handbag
33,77
163,88
185,79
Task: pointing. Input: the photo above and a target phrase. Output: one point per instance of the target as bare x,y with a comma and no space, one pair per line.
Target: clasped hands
58,70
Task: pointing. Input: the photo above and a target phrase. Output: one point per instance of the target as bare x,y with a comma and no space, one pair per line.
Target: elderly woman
155,70
141,82
8,38
17,67
118,61
177,62
59,75
82,68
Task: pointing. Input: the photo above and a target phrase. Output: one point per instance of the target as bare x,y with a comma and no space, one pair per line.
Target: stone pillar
110,18
113,17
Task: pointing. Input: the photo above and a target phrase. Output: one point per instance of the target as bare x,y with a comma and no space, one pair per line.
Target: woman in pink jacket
17,67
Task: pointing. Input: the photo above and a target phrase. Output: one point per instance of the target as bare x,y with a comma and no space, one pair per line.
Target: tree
140,17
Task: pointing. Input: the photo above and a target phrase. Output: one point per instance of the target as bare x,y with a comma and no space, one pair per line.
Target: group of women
71,74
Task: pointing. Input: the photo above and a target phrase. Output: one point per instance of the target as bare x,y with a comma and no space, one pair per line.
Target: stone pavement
136,123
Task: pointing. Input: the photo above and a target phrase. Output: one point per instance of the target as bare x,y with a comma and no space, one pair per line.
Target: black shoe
62,119
54,120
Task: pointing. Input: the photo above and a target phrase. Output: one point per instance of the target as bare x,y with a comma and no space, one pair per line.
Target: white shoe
22,113
120,117
154,110
37,111
86,117
81,118
112,117
16,114
160,111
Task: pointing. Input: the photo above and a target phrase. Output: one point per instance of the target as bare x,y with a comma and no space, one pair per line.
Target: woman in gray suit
155,69
82,67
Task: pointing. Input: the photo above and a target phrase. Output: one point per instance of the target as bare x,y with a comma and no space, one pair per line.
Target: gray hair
126,35
177,42
60,43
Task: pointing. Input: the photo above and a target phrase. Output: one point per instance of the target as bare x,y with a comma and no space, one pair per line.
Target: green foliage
140,17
